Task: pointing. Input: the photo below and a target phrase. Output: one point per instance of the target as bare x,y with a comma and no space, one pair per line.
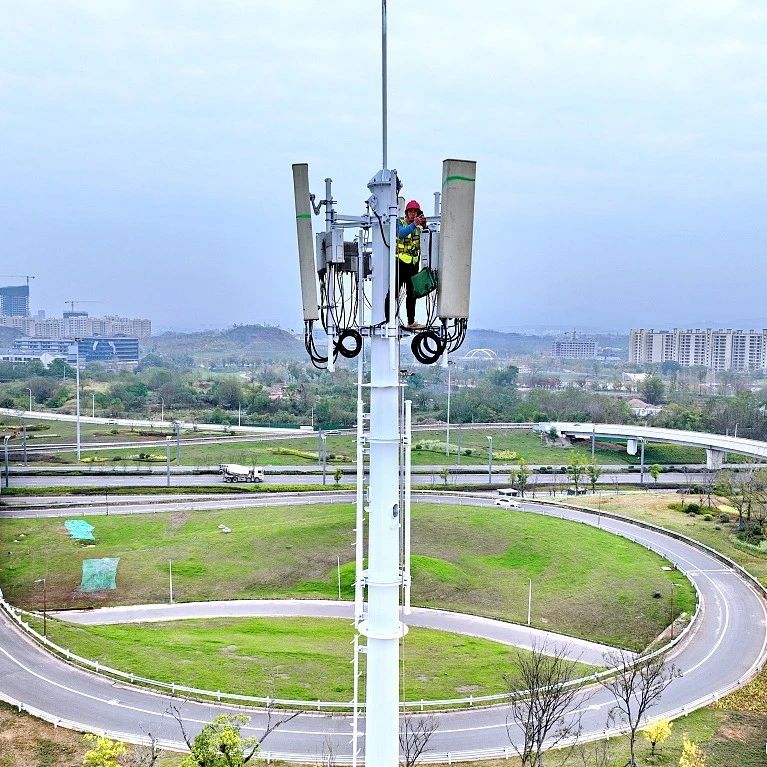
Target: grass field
46,431
526,444
654,507
297,658
586,582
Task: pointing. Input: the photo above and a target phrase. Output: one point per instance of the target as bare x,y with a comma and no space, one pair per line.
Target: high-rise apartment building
79,324
14,301
573,348
715,349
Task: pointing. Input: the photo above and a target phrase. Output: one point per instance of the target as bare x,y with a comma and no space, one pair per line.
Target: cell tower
347,276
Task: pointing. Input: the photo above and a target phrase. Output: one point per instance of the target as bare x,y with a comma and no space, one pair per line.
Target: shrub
693,508
707,517
724,517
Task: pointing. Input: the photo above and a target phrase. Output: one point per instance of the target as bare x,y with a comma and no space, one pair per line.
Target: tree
445,475
657,733
594,472
220,742
655,471
576,466
636,685
105,752
337,475
414,737
652,390
521,476
542,704
691,756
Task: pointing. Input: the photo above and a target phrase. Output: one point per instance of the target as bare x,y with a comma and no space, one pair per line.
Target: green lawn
586,582
298,658
45,431
526,444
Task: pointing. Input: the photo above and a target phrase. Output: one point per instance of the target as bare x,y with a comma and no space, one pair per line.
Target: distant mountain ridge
239,343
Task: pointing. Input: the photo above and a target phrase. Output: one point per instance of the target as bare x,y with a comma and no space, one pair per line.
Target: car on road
508,503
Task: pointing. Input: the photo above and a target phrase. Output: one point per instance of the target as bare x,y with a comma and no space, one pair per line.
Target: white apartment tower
714,349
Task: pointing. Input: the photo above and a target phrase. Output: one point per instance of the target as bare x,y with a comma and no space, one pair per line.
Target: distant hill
241,343
7,335
521,344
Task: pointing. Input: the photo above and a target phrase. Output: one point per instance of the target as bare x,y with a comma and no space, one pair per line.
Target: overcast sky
145,151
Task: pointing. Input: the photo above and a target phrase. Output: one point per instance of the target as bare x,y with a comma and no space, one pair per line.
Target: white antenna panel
306,265
456,234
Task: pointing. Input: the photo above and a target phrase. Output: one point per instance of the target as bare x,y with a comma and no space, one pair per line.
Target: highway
290,477
727,644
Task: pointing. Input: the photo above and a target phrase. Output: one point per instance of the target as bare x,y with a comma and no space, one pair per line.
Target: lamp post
239,413
447,435
489,460
324,456
93,404
5,452
77,392
30,399
167,457
45,605
162,410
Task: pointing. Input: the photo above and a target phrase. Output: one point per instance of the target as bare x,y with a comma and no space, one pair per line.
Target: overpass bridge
715,445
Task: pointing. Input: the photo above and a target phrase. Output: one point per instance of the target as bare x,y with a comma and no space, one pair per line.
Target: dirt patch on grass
178,519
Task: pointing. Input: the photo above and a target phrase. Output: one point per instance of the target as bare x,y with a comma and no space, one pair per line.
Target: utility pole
77,392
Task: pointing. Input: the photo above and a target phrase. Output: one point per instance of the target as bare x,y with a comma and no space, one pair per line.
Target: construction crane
27,277
72,303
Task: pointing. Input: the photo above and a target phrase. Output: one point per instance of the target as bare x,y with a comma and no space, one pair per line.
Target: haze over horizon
146,151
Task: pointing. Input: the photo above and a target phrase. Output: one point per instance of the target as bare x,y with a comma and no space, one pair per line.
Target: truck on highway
233,472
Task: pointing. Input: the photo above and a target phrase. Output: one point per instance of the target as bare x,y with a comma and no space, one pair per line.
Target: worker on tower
408,258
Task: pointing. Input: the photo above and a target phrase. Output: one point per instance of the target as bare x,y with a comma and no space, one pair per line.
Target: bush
707,517
724,517
693,508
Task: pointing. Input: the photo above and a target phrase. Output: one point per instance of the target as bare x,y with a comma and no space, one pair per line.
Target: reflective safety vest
409,247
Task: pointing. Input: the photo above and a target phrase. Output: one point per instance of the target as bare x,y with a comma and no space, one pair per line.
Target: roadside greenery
586,582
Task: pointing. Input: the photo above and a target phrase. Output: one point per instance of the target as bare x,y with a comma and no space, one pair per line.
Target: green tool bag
424,282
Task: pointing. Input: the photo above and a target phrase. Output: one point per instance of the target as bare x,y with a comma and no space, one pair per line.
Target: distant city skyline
621,151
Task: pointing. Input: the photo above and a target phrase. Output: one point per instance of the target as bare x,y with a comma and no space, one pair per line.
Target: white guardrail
225,697
431,757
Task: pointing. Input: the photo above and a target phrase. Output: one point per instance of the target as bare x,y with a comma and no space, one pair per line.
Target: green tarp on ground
79,529
99,574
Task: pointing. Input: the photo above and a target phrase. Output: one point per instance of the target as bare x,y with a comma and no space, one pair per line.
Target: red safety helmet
413,205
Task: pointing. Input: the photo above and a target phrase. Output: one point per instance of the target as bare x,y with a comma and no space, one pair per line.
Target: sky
145,151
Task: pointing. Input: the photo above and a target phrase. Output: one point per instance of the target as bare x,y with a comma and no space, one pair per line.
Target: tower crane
72,302
27,277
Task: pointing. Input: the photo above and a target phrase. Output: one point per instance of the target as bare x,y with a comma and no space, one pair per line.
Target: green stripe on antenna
304,215
458,178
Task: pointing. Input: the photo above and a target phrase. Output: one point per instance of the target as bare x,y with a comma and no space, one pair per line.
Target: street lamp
167,457
30,399
45,605
77,392
447,436
490,460
162,410
93,404
5,451
324,438
239,413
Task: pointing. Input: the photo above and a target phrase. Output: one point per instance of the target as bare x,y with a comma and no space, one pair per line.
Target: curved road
727,644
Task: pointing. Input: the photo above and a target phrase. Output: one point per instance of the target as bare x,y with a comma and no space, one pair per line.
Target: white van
508,503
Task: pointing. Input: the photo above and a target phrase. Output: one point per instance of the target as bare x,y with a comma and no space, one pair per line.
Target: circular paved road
728,643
